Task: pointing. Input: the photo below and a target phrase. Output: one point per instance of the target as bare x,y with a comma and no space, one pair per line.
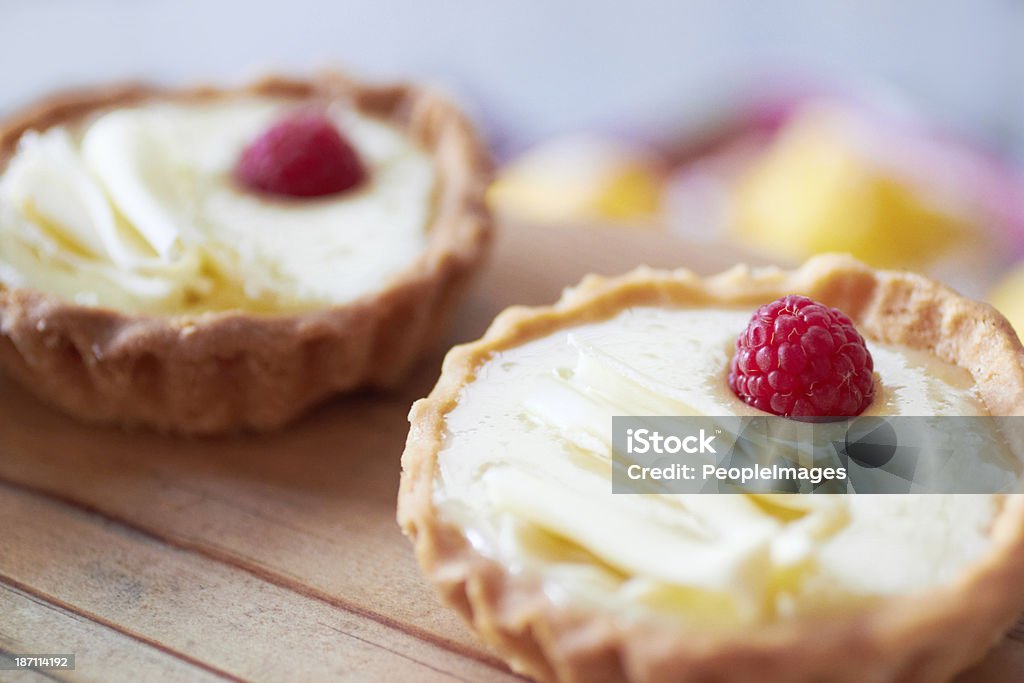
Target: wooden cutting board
265,558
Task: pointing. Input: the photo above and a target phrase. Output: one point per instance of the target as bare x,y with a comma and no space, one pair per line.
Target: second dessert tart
204,260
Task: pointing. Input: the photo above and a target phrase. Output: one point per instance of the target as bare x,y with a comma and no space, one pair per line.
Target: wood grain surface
274,557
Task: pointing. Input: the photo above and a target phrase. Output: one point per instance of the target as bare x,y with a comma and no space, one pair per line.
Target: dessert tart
508,499
205,260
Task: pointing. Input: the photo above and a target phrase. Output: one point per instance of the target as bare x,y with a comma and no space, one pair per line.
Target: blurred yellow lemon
578,179
818,189
1008,297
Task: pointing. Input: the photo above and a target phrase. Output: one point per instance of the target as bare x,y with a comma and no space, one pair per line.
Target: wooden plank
219,617
29,677
32,625
293,507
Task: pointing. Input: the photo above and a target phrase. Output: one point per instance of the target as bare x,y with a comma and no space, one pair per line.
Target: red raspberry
800,358
303,155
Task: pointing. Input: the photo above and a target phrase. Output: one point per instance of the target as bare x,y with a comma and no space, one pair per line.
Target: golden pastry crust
218,371
924,637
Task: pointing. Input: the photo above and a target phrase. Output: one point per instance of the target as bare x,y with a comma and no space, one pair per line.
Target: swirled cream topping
137,210
526,470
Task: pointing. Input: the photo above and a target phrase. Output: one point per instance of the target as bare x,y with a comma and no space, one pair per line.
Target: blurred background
894,130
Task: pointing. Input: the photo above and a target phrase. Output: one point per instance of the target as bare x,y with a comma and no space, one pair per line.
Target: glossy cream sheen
138,210
526,469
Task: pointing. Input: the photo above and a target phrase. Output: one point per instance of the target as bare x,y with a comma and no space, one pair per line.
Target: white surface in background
539,67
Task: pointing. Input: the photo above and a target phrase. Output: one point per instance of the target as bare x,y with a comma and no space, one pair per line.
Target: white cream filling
138,210
526,470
